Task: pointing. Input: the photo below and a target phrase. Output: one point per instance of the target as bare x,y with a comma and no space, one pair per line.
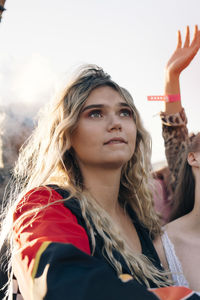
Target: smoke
25,86
30,83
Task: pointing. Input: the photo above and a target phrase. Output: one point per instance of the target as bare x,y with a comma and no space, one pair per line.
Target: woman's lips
115,141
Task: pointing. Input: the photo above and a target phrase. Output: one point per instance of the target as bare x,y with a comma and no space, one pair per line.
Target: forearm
172,87
176,138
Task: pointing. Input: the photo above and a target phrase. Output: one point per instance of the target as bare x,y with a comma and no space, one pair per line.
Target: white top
174,262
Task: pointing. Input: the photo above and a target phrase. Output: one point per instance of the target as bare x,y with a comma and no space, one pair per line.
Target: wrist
166,98
171,76
171,84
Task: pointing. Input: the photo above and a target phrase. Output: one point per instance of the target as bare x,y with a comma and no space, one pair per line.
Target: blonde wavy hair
47,158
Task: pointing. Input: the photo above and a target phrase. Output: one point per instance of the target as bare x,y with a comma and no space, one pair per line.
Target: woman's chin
115,163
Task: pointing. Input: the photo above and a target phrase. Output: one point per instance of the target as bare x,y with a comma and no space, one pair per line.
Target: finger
195,37
187,37
179,41
195,45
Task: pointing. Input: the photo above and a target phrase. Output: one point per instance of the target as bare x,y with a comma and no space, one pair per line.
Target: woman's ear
192,159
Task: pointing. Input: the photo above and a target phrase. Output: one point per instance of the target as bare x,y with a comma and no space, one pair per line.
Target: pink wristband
166,98
173,98
156,98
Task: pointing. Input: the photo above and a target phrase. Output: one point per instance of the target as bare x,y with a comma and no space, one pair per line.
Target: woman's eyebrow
92,106
124,104
121,104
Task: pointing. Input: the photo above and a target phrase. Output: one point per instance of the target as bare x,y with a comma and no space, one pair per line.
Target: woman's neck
192,219
195,213
103,185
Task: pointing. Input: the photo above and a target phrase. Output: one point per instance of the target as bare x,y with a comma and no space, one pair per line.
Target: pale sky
41,41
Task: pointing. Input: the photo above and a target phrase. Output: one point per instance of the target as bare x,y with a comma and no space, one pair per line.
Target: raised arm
180,60
173,118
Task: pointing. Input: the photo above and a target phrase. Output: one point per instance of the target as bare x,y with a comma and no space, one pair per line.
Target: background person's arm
174,129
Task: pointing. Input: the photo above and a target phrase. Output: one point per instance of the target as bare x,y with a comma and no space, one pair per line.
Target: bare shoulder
175,229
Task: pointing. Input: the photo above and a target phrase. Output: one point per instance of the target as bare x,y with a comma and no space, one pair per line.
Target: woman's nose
114,124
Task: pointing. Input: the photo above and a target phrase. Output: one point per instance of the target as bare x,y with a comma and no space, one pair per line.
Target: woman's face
105,135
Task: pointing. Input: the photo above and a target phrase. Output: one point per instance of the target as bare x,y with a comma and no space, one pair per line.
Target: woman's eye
95,114
126,113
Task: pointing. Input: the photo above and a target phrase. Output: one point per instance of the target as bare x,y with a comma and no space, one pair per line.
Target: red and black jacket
54,260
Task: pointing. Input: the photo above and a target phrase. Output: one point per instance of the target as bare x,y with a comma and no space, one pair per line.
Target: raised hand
183,55
180,59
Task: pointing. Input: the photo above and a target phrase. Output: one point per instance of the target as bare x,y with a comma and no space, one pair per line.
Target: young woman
174,121
181,236
83,212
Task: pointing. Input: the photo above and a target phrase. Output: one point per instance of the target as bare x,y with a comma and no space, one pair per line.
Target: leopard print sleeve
176,139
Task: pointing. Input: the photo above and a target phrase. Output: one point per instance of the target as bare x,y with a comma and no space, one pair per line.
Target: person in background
174,123
3,273
162,193
179,244
2,8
